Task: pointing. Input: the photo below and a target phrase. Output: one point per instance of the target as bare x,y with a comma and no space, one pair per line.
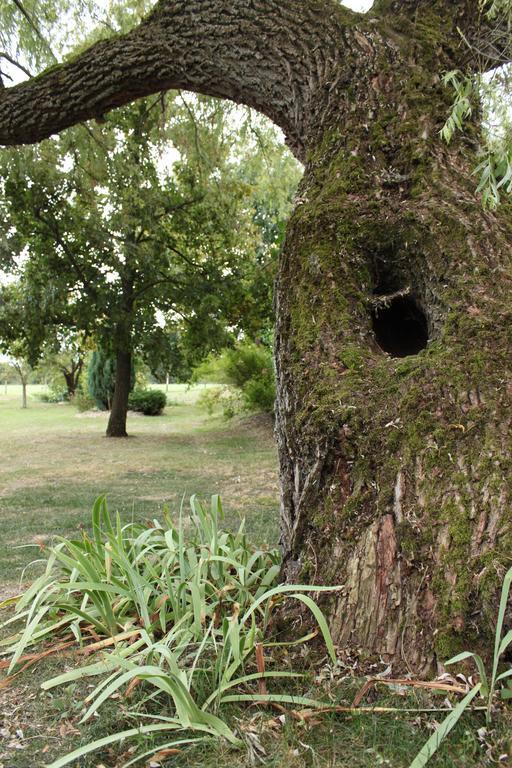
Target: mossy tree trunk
395,470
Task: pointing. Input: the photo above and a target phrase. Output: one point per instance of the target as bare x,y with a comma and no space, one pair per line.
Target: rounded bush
150,402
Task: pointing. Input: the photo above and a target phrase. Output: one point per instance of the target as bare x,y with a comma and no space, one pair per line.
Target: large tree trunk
396,469
117,421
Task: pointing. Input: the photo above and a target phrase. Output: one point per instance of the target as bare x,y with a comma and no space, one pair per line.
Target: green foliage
259,393
495,170
229,401
83,400
119,247
150,402
487,685
62,361
462,107
247,368
495,173
35,34
489,92
101,378
8,374
246,362
497,8
53,397
187,605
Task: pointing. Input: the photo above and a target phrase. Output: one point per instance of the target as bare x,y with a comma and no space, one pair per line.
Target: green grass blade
504,675
27,637
168,745
320,620
284,589
479,664
106,740
278,698
507,640
432,745
507,583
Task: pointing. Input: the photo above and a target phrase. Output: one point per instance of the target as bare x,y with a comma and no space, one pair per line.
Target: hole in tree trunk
400,325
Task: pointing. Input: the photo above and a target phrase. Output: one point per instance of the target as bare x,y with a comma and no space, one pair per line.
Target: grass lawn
55,462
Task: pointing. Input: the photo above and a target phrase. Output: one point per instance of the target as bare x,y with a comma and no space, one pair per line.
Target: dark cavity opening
400,326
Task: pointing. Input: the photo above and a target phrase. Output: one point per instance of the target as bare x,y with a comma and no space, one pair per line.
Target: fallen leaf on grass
260,663
32,659
131,686
98,646
162,755
67,728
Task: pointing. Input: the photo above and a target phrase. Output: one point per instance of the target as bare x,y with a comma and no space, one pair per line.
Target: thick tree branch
267,54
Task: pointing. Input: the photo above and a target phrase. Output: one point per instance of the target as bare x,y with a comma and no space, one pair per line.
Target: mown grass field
55,462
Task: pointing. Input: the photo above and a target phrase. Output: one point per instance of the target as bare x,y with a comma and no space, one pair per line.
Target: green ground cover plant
183,608
487,684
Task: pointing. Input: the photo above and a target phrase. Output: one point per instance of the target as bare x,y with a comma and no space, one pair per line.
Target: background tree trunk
117,420
23,394
72,377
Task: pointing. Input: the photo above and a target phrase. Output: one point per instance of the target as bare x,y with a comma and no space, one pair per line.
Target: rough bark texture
395,472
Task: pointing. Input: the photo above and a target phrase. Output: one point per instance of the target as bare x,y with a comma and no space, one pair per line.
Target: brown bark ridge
396,471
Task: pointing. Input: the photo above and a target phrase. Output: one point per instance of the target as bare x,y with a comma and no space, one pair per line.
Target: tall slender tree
395,467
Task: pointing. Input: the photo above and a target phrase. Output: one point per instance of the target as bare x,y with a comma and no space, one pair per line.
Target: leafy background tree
485,87
96,215
117,245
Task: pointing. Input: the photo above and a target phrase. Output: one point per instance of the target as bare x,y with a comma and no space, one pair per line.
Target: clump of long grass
486,687
179,609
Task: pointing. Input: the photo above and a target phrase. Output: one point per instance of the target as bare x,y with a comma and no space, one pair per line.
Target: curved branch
268,54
